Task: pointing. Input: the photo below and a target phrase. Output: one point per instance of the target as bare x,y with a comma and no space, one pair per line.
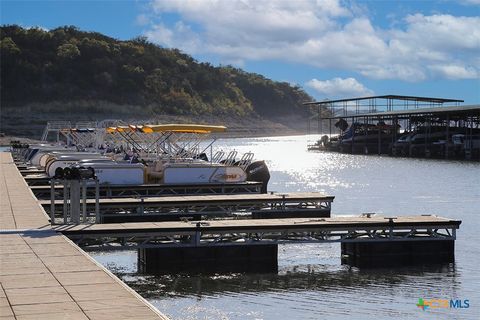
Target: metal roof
420,111
391,97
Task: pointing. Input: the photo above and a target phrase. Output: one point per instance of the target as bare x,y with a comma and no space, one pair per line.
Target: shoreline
26,128
5,140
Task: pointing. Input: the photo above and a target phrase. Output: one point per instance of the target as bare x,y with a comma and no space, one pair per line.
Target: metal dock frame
260,232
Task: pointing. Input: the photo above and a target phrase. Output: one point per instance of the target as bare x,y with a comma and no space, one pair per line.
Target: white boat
195,172
64,161
169,154
35,152
48,157
116,173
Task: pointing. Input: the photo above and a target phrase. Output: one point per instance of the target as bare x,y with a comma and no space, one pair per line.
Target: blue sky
331,48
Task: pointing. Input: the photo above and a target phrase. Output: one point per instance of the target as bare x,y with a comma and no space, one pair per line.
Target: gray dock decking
43,275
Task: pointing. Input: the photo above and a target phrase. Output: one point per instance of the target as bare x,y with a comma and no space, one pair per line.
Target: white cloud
442,32
339,88
325,34
170,36
455,72
162,35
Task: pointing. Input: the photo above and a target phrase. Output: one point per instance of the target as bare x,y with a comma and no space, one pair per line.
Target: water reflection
298,278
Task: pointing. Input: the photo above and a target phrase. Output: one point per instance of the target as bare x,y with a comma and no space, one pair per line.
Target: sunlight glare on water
311,282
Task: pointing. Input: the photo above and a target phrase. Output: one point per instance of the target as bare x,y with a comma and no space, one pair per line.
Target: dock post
84,200
390,223
97,202
448,137
75,201
52,199
66,186
379,140
140,209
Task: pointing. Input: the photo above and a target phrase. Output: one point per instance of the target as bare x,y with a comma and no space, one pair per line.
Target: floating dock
44,275
251,245
311,204
258,231
43,192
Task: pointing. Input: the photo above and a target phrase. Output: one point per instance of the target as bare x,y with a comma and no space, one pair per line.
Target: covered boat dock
398,125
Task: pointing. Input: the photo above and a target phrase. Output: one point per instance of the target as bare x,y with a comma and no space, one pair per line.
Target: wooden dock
252,245
258,231
43,275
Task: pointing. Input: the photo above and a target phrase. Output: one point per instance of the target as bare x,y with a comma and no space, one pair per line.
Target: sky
331,48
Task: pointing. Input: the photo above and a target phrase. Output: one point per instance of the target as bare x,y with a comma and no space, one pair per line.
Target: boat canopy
181,128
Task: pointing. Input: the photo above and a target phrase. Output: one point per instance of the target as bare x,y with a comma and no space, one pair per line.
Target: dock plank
43,275
286,223
19,209
220,198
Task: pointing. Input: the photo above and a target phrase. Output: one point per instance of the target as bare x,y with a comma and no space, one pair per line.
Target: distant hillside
81,72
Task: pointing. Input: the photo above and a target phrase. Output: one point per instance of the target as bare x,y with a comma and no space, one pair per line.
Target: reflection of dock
315,278
43,275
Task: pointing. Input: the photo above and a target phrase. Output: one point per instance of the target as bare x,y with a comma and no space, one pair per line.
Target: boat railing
246,160
230,159
218,156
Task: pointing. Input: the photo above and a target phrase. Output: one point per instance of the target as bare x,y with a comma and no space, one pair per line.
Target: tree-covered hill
66,64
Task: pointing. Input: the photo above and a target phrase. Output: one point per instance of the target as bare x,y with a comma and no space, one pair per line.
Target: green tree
68,64
68,51
9,48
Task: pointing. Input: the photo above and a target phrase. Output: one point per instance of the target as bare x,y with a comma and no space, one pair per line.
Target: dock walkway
260,231
43,275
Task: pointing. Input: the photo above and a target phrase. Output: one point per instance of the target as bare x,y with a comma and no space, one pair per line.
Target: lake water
311,282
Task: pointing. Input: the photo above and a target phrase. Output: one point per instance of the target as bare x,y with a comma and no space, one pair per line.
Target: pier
43,192
251,245
311,204
44,275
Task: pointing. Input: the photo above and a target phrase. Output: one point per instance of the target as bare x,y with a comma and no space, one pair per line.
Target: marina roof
455,110
388,97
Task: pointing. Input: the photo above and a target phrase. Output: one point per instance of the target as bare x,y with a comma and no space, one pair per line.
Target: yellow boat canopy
181,128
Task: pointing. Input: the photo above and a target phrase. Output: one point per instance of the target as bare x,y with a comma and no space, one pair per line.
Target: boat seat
157,172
